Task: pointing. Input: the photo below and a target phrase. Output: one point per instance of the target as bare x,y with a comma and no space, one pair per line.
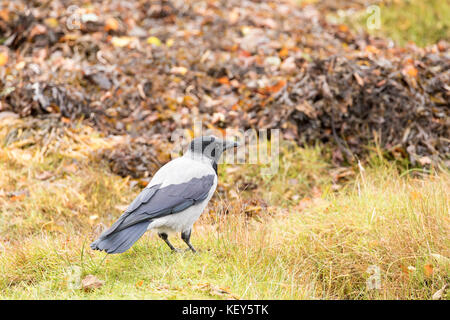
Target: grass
421,22
309,232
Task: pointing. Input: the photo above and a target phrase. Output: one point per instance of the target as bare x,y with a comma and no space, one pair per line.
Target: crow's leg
165,237
186,236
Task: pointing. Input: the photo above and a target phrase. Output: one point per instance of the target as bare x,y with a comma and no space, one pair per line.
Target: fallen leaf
121,207
178,70
70,37
288,65
223,80
252,209
37,30
51,22
111,24
65,120
277,87
428,270
3,58
214,290
283,53
307,109
170,42
20,65
414,195
411,71
17,198
316,192
154,40
122,41
18,195
371,49
4,14
91,282
405,270
8,115
272,61
143,183
44,175
303,204
358,79
52,227
343,28
233,16
71,168
424,161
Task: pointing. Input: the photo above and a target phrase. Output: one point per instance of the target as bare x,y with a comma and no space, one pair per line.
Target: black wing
155,202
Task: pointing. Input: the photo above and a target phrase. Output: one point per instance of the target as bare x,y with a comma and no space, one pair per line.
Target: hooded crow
172,201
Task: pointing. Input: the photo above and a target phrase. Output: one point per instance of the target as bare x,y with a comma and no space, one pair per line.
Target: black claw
165,237
186,236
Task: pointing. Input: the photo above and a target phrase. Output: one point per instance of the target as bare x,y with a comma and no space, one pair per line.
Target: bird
173,200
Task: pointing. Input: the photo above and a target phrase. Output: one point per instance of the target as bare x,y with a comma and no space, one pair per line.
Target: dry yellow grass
295,235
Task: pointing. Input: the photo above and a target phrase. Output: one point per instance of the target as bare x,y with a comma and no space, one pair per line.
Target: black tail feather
120,241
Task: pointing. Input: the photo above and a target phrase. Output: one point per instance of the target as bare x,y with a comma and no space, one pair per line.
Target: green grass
421,22
309,232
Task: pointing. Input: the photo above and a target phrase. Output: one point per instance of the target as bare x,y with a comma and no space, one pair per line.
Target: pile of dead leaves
148,68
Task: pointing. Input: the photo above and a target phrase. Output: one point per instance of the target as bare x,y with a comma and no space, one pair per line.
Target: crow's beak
227,144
